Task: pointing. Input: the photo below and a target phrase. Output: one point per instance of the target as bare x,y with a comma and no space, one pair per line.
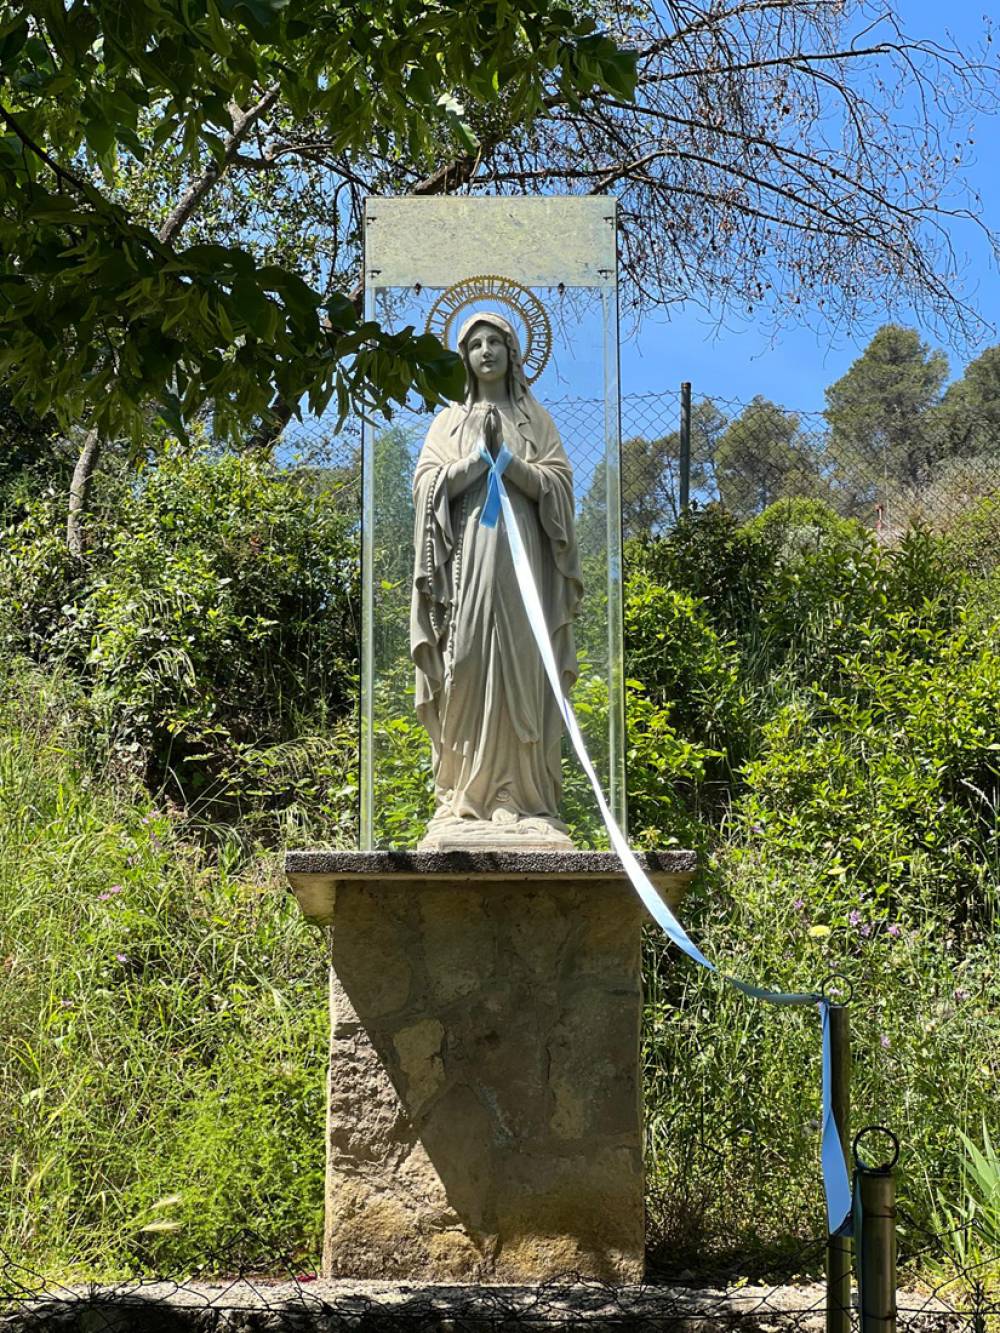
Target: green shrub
797,525
683,704
38,579
860,836
213,628
668,776
32,458
973,538
709,556
890,789
814,712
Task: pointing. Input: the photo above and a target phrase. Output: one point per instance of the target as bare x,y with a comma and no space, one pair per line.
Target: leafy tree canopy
968,419
878,411
99,312
763,456
739,138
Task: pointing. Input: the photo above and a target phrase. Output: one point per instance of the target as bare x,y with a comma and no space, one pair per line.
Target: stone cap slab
314,875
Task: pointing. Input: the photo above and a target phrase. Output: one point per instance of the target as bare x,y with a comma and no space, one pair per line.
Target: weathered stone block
485,1115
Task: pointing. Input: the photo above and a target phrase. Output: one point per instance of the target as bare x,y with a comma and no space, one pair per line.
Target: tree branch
86,464
243,123
61,174
450,176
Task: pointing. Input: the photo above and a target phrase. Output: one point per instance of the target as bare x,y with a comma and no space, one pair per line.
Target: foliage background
811,708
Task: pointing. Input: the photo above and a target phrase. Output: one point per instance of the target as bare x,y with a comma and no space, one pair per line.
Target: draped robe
481,689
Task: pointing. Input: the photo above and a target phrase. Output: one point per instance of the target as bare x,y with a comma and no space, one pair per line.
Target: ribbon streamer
836,1180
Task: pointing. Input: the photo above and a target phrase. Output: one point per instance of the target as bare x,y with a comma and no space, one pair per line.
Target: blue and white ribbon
836,1180
497,467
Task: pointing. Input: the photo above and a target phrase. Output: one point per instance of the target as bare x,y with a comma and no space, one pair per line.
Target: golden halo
518,299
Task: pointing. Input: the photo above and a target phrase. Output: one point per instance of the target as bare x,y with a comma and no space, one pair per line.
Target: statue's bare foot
504,816
536,826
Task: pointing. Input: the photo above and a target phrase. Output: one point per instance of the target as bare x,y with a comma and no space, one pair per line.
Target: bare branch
243,123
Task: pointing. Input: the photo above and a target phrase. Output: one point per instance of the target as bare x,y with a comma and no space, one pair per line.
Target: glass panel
579,388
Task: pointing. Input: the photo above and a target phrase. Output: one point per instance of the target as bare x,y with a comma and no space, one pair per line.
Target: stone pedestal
485,1118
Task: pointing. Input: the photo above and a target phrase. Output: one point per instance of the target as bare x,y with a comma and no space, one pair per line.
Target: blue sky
794,366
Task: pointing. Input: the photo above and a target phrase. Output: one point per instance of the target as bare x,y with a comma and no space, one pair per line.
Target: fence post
877,1258
838,1250
685,452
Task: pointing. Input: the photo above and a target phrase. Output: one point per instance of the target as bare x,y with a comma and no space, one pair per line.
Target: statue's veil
517,384
528,412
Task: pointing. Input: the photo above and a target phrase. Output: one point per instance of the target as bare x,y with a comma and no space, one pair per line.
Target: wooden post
838,1253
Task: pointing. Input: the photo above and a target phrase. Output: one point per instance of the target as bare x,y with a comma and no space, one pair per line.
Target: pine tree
881,416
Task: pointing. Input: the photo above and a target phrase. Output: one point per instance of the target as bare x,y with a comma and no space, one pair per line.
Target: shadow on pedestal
485,1119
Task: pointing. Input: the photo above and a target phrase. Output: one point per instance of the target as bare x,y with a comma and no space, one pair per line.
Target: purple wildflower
894,930
122,957
799,904
866,930
854,916
885,1043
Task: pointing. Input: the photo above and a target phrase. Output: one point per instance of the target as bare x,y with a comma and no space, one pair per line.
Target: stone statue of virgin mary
481,689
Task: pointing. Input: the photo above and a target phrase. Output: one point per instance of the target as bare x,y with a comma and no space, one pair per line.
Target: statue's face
488,355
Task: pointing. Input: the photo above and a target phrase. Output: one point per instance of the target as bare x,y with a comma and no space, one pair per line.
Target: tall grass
162,1018
733,1085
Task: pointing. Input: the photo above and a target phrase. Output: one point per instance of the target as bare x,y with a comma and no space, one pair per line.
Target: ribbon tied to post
836,1179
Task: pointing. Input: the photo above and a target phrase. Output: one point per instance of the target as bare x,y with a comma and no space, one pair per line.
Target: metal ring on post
827,988
859,1160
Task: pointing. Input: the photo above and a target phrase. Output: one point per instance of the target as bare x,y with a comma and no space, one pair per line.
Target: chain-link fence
950,1279
750,455
708,449
747,456
247,1288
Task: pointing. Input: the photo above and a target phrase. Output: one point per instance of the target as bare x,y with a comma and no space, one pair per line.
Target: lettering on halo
519,300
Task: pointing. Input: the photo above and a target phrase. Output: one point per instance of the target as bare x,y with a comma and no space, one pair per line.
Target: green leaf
172,414
12,41
163,130
100,136
210,257
341,312
419,87
262,17
299,295
249,303
131,140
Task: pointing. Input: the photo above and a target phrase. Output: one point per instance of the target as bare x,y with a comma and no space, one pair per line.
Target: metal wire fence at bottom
951,1275
244,1289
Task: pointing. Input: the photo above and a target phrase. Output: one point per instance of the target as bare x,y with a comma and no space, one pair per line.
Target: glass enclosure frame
561,245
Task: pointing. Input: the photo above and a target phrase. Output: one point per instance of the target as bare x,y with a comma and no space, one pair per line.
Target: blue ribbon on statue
836,1179
497,466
